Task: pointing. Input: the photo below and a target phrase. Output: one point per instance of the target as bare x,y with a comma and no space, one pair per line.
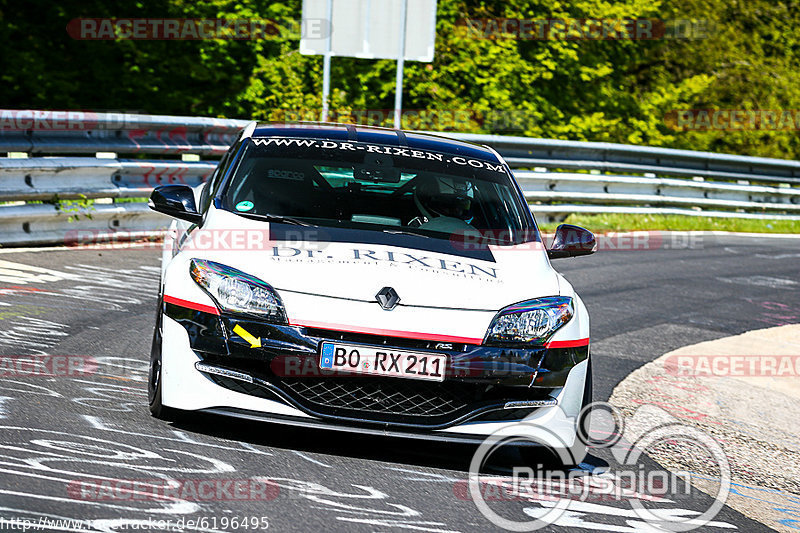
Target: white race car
367,280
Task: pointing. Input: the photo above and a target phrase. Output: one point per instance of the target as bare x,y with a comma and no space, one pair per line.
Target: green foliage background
616,91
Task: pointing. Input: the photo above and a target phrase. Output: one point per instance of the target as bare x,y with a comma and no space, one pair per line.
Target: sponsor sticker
245,206
276,142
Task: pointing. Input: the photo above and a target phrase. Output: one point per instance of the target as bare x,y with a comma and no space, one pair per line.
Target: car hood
357,264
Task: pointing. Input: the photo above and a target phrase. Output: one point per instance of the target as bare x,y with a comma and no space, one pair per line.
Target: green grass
619,222
130,200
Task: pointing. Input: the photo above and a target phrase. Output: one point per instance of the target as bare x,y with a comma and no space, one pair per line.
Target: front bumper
484,384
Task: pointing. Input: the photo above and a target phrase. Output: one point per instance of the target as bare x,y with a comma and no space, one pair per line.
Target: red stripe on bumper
191,305
568,344
387,332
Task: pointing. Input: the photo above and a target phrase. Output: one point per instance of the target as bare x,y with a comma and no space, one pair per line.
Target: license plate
377,361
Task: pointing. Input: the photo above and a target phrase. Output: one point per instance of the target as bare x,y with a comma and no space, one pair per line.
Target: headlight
533,321
233,290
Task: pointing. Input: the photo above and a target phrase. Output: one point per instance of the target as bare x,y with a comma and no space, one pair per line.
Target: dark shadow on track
433,454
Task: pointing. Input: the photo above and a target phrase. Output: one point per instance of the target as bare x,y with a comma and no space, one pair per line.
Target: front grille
244,387
384,397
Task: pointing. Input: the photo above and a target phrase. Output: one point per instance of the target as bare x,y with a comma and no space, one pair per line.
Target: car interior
350,193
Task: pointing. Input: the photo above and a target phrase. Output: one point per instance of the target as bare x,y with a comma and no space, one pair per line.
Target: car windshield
378,187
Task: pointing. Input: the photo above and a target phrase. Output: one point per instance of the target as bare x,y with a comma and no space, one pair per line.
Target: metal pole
401,56
326,84
326,65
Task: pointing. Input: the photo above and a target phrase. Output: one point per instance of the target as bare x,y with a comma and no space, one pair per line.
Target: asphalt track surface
101,303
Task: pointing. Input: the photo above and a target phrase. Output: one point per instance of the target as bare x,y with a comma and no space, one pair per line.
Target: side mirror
176,201
571,241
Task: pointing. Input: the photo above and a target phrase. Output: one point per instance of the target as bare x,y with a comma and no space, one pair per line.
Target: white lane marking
110,276
391,523
184,437
310,459
97,423
755,235
40,521
122,367
777,256
399,516
4,406
21,274
30,335
761,281
178,507
577,509
250,447
112,288
28,388
122,388
315,491
426,476
109,396
42,459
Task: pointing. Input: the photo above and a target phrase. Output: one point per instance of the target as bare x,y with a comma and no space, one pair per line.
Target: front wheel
537,455
157,409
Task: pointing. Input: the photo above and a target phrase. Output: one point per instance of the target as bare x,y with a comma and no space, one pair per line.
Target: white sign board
371,29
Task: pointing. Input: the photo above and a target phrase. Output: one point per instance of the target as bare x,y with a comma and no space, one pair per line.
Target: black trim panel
287,232
318,424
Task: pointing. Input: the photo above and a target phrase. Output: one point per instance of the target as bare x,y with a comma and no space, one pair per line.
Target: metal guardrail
526,152
719,185
77,132
40,178
656,192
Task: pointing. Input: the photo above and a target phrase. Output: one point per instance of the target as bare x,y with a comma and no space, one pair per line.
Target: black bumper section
479,381
365,430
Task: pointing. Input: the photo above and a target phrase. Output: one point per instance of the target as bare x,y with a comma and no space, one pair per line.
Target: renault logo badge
388,298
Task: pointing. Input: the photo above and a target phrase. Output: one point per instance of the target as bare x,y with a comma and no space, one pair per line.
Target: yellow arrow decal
255,342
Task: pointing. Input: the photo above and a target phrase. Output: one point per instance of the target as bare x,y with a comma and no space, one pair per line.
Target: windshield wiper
280,218
402,232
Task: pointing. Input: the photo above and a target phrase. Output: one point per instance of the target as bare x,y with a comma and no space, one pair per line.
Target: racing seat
286,189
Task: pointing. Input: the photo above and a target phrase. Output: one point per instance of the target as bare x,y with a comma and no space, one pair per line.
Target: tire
588,389
157,409
547,457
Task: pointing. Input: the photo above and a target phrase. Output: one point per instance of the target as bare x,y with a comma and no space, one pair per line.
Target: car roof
375,135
